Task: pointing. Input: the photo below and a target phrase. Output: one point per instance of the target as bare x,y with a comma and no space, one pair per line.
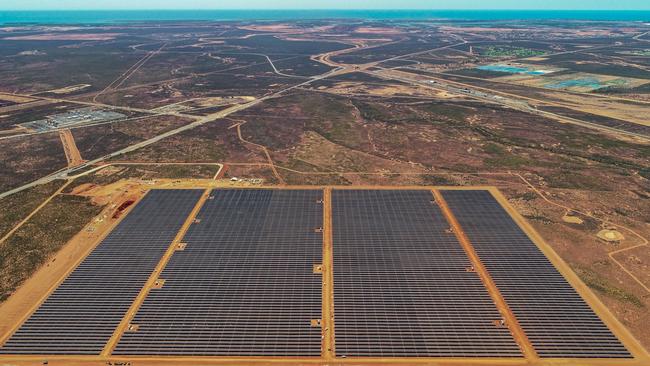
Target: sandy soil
15,98
272,28
387,90
66,37
70,89
218,101
572,219
610,108
378,30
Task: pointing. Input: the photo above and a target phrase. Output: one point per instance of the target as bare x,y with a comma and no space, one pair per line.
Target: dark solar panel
244,284
80,316
556,319
401,282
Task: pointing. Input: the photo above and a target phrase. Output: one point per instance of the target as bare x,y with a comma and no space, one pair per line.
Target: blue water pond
511,69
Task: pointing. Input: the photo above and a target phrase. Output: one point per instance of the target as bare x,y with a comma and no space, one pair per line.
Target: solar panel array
81,315
244,284
403,285
556,319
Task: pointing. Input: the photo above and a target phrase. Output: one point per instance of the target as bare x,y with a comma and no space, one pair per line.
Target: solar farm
321,275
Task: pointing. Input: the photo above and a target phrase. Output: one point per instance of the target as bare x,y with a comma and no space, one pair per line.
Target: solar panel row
81,315
555,318
403,284
244,284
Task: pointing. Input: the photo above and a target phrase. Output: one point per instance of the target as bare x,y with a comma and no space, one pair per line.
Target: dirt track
72,153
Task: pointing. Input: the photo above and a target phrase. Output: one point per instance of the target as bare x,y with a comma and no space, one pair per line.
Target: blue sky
325,4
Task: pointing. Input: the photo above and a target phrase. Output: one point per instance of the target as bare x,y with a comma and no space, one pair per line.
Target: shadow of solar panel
556,319
401,282
80,316
244,284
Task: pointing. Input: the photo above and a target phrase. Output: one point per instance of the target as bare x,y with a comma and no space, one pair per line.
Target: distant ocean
114,16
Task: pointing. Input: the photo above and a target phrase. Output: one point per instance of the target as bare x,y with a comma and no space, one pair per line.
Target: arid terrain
556,114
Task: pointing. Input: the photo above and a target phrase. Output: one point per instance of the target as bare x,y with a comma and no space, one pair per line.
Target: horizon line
313,9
